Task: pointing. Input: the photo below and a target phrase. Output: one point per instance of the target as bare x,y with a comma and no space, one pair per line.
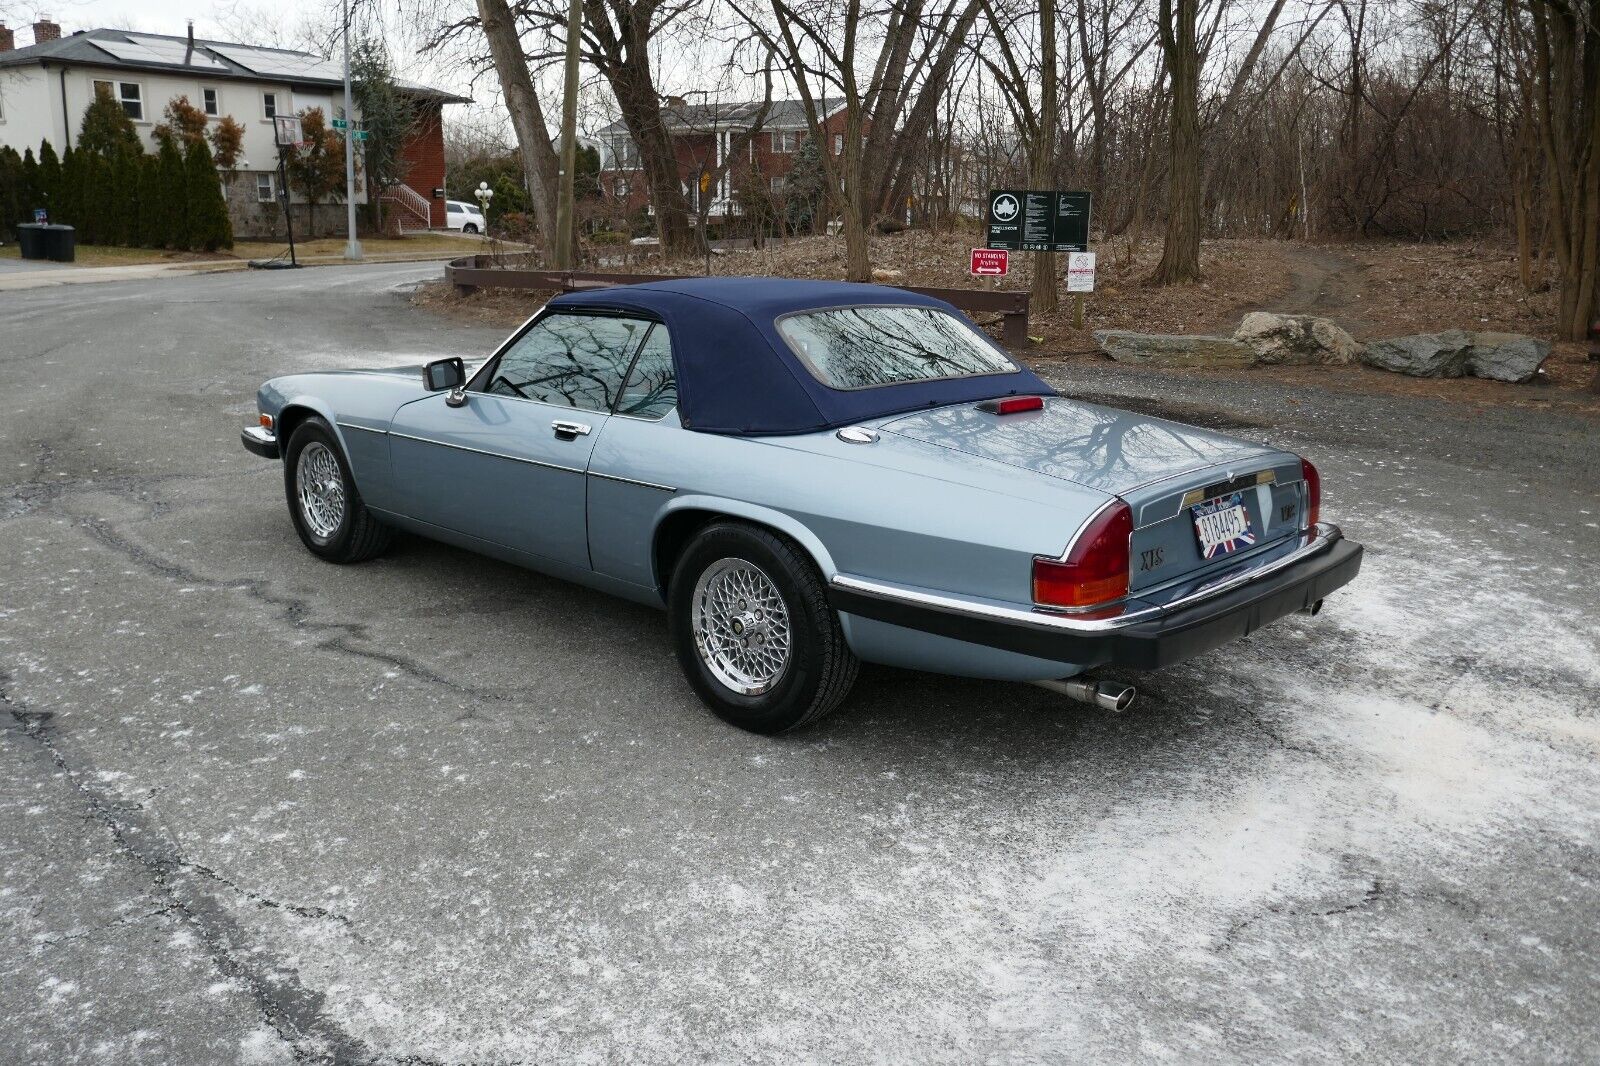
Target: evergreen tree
49,189
70,210
152,204
106,128
91,196
805,188
124,196
209,228
174,197
11,209
29,187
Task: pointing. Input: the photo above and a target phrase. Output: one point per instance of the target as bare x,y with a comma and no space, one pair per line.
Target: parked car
467,218
807,475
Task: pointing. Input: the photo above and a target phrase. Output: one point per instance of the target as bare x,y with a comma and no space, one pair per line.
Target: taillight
1095,570
1313,482
1012,405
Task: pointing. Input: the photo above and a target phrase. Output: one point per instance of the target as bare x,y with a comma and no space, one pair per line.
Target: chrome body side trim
1033,618
492,455
632,481
364,429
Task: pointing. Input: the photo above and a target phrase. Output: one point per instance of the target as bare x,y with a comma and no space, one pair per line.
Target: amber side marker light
1095,570
266,421
1012,405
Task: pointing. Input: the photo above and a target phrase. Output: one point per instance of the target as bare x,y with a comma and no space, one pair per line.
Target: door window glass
570,360
652,388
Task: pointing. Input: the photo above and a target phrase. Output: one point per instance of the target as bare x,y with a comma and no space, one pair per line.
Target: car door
509,464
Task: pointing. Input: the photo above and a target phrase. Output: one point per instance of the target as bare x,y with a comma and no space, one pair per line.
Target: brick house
45,87
702,135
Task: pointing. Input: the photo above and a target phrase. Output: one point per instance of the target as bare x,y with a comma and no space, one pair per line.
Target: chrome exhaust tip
1314,610
1106,695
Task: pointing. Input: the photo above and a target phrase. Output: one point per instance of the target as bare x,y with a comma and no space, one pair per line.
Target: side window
571,360
452,207
652,388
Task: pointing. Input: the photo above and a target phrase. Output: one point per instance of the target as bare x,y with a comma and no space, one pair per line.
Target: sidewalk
16,274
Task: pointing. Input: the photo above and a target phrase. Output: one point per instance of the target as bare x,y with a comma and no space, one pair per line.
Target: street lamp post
352,247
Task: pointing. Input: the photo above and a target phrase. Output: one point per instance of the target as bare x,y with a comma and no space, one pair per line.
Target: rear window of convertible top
863,347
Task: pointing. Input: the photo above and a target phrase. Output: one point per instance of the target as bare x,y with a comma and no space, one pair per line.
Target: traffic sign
1038,220
990,262
340,124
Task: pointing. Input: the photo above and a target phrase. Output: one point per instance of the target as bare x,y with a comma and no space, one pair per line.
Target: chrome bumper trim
1326,536
259,440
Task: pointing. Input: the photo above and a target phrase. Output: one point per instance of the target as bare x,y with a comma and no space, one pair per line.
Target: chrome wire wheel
741,626
320,485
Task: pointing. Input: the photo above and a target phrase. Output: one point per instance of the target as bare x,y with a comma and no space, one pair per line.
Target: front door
510,464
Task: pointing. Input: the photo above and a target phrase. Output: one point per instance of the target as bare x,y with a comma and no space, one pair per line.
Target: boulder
1510,357
1455,353
886,276
1152,349
1296,339
1423,355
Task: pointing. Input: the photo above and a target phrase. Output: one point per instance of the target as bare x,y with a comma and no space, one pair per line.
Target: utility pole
569,141
352,246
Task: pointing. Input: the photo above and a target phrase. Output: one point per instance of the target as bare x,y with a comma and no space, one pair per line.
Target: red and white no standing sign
990,262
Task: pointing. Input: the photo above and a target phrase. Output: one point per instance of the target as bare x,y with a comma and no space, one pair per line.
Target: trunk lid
1160,468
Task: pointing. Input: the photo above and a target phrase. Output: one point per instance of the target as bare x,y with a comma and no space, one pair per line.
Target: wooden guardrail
470,273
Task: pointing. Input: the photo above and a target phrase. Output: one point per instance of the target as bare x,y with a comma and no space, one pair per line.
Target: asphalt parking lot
258,808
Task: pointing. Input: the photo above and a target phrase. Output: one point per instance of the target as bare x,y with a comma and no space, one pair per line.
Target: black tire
470,227
820,667
359,536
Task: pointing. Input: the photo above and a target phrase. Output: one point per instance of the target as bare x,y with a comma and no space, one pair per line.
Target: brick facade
423,153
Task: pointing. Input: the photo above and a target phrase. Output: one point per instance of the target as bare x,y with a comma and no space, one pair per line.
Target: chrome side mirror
444,374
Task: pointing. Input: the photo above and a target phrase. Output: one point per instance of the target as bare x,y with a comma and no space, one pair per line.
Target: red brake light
1095,570
1012,404
1313,482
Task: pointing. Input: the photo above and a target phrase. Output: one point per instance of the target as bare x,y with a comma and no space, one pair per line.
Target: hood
1097,447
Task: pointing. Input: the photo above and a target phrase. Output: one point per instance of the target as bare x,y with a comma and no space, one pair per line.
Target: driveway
258,808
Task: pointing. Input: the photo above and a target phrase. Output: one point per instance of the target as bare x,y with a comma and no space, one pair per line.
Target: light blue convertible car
808,475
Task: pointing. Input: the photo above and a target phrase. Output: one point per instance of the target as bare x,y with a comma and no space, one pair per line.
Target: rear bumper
260,441
1147,637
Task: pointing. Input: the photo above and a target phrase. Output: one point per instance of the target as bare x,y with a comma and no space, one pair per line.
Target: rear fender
783,523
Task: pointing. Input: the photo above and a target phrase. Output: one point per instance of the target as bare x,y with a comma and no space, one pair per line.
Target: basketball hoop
288,130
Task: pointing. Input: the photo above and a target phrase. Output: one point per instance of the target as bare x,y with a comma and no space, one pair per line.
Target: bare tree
1180,256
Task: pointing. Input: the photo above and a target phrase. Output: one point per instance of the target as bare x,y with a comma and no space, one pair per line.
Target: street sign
1080,271
288,131
340,124
359,135
1038,221
990,262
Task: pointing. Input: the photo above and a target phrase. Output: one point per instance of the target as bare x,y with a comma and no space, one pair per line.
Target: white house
45,87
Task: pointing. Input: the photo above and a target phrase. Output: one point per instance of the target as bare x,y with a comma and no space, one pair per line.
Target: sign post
1080,279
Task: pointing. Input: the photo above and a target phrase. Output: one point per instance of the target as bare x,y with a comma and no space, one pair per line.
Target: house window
620,187
208,101
777,185
126,93
624,154
786,142
264,187
269,105
838,144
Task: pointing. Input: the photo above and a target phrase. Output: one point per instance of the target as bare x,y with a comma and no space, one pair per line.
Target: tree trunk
634,87
539,160
1041,164
1180,255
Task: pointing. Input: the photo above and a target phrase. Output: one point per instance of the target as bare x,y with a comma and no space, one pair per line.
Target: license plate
1223,525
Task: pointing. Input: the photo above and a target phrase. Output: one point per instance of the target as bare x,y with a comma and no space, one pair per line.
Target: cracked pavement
257,808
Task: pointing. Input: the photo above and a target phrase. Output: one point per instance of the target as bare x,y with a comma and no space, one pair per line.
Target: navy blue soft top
737,375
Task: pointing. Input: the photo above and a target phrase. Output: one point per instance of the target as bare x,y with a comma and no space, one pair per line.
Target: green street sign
359,135
340,124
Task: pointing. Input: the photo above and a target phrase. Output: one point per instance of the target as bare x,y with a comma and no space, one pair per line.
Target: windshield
862,347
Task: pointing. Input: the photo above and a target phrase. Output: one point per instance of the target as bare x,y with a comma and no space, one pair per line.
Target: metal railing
409,200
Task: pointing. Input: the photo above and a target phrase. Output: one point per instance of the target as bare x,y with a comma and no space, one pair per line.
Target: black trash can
30,240
60,243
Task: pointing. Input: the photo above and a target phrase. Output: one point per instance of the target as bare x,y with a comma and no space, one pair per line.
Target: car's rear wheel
753,630
327,510
470,227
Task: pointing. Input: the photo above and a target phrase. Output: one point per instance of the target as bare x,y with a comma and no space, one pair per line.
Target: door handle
569,430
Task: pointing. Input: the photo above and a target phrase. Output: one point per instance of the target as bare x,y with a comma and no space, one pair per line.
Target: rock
1506,356
1424,355
1151,349
1296,339
885,276
1455,353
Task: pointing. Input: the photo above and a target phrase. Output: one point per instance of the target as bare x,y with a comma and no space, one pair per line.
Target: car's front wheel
753,630
470,227
323,501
